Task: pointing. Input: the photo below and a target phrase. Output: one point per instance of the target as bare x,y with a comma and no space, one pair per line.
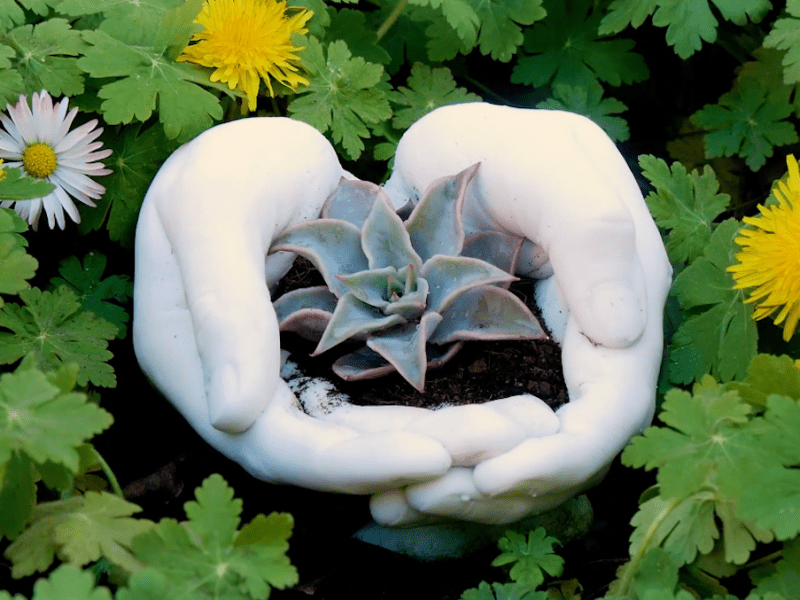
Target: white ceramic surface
206,334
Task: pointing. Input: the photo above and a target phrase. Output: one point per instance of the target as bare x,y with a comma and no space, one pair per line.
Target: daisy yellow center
247,41
39,160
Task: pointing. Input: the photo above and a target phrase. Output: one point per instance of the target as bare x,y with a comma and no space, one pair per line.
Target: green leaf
207,558
531,558
704,441
681,526
147,78
13,186
685,203
565,49
747,123
443,41
37,418
772,496
766,70
719,335
460,17
621,13
503,591
137,156
784,582
132,22
500,34
68,582
785,35
79,530
51,326
351,26
768,375
342,96
689,22
590,103
708,455
11,15
94,292
427,90
16,265
44,59
17,492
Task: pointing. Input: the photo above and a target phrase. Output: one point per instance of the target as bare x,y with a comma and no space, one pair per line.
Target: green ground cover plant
702,97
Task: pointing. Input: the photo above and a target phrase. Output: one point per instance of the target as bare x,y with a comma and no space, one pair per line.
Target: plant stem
112,479
626,581
390,20
488,92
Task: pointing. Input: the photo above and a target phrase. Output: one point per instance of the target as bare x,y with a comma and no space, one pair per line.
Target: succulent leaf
371,286
334,246
352,201
489,313
384,239
404,347
411,305
414,290
364,363
495,247
306,311
450,276
351,318
436,225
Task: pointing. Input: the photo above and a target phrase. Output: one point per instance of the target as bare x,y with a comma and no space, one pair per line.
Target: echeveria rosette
405,287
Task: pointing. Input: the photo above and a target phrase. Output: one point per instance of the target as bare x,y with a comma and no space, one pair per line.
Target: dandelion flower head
38,140
246,41
770,256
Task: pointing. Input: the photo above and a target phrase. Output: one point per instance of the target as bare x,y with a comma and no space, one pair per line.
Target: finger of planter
471,433
455,496
531,413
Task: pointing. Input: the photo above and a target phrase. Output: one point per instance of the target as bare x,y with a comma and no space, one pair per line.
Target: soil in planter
480,372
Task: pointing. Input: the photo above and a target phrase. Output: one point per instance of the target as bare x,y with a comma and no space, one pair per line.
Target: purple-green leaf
352,201
489,313
384,239
334,246
450,276
404,347
353,317
306,311
436,225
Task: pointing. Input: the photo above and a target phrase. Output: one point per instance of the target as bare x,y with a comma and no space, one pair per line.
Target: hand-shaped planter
206,331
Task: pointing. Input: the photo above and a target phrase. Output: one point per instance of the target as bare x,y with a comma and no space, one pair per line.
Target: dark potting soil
479,372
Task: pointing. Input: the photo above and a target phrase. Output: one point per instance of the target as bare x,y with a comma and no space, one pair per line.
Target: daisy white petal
38,139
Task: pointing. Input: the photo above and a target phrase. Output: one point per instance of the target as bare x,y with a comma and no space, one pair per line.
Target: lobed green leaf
589,102
342,97
565,49
80,530
428,89
684,203
51,327
747,123
719,335
16,265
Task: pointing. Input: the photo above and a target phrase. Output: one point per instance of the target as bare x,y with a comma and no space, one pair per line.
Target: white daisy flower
40,143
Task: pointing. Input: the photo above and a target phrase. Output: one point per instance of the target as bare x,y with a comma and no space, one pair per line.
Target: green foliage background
702,96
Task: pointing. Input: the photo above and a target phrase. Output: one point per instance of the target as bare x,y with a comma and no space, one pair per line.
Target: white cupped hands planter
206,331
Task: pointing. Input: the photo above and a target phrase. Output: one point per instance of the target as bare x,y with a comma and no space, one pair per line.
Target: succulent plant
413,290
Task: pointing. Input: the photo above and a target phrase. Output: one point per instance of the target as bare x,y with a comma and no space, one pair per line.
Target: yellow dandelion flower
770,256
246,41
